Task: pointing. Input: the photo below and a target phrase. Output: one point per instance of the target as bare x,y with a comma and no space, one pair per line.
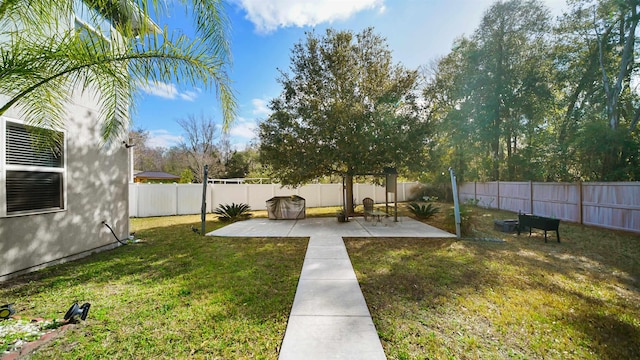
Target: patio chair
368,207
369,210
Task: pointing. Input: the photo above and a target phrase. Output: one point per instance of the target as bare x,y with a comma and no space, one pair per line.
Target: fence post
530,197
498,196
475,190
580,214
212,186
203,208
177,199
209,197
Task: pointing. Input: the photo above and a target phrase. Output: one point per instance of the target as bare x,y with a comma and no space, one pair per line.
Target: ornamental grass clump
233,212
423,211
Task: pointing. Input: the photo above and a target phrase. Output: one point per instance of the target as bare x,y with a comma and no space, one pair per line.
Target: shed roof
155,175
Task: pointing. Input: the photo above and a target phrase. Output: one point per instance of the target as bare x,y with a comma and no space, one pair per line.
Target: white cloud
260,107
162,139
168,91
189,95
270,15
244,128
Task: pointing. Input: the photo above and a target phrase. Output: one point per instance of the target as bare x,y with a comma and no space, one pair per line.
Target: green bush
233,212
423,211
467,220
421,192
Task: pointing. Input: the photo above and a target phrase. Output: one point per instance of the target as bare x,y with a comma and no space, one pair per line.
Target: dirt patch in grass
174,295
524,298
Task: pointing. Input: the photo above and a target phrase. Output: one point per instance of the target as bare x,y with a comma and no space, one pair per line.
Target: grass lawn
174,295
521,299
180,295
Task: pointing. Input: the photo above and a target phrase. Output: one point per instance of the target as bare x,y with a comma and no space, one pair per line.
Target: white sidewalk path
329,318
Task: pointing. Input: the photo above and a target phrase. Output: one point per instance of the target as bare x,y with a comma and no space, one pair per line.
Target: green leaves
522,100
423,211
344,108
45,60
233,212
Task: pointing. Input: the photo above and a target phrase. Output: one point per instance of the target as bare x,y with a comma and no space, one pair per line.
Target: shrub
423,211
233,212
467,220
419,192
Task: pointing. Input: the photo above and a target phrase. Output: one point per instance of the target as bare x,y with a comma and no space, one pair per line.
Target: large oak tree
346,109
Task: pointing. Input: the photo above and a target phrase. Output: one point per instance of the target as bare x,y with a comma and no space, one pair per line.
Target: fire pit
508,225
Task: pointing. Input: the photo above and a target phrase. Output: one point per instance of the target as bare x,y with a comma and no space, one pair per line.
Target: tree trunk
349,200
614,90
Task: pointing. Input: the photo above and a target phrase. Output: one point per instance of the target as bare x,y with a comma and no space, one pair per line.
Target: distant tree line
528,98
524,97
203,144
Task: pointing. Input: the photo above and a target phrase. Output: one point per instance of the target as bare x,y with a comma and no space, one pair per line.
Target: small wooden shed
155,177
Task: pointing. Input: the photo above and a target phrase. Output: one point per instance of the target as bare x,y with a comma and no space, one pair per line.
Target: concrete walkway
329,318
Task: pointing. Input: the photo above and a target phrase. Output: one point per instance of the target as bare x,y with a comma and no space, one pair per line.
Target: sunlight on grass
173,295
177,294
442,298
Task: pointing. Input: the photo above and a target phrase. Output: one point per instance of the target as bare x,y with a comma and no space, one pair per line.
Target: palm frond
40,72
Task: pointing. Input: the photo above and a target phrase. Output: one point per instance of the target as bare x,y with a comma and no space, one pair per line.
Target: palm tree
44,58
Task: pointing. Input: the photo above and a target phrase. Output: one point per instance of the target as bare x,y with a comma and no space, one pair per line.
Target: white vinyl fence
181,199
614,205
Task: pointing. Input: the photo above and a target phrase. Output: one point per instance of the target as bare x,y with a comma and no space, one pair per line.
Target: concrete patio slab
257,228
329,227
329,317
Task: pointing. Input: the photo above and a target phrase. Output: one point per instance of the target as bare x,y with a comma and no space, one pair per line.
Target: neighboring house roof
157,175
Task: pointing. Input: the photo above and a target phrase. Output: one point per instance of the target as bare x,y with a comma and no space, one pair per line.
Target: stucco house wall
96,191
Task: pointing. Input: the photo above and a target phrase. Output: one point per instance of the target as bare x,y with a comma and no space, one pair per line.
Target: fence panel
286,191
156,199
190,196
612,205
361,191
466,191
180,199
317,195
515,196
557,200
330,194
133,200
487,194
405,190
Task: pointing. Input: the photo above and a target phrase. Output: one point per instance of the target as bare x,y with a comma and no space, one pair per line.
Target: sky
263,32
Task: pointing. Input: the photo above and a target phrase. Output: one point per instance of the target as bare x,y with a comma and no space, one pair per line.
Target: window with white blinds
33,169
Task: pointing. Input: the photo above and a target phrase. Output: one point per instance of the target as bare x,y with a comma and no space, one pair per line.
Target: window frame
4,168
